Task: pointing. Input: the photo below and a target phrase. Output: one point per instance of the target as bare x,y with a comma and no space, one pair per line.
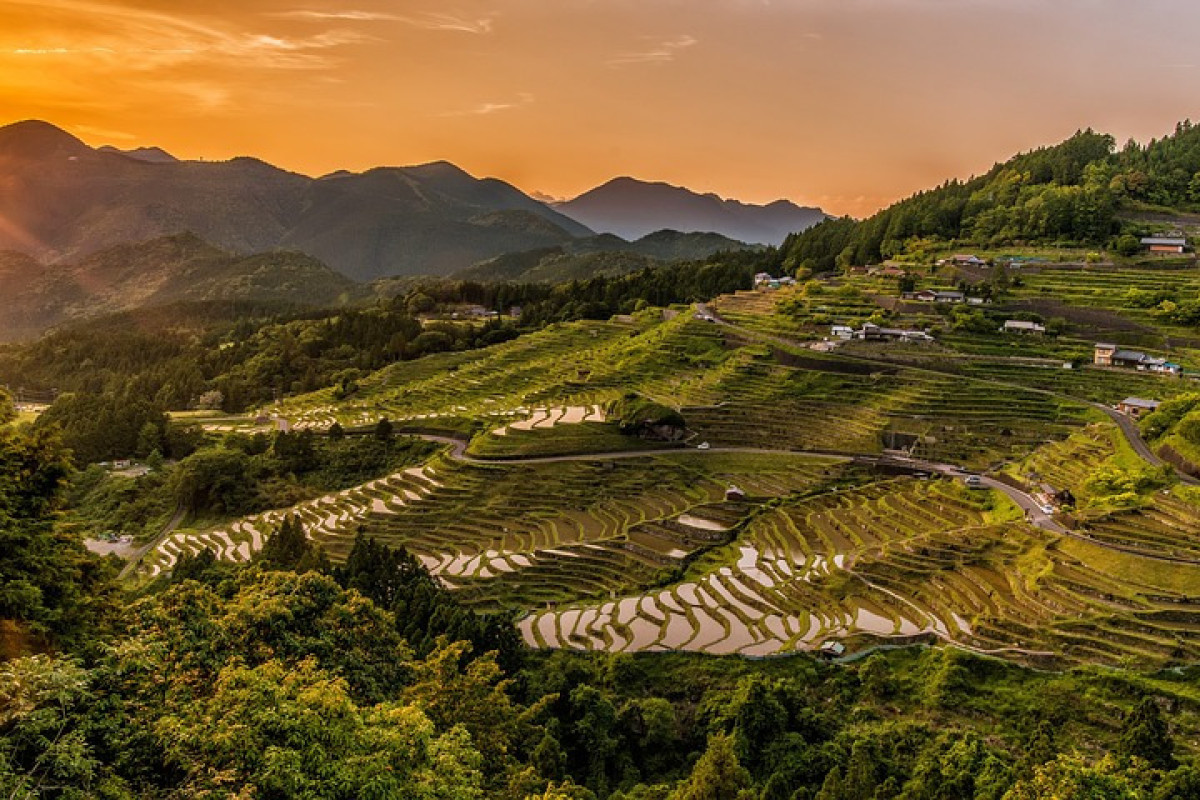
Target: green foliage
1123,485
639,416
1069,192
289,549
717,775
108,426
49,584
1144,735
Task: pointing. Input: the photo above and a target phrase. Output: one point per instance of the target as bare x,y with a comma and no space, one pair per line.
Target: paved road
1025,501
1127,426
140,553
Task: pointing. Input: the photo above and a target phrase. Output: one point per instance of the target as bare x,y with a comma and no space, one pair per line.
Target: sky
845,104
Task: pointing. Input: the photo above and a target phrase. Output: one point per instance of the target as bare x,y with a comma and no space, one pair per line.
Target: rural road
1031,507
141,552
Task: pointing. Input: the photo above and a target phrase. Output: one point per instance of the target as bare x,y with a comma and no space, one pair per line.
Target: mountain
61,199
153,155
632,209
1080,192
605,254
181,267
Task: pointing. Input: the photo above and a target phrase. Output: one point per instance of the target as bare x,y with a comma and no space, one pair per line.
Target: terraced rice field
653,552
585,364
522,535
894,561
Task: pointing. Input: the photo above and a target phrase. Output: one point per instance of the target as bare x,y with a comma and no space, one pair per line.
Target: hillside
631,209
65,200
1080,192
606,254
157,272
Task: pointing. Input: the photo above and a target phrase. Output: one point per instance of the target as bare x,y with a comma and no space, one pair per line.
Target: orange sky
848,104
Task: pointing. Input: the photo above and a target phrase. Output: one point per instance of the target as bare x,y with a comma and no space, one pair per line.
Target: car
1046,508
974,481
703,446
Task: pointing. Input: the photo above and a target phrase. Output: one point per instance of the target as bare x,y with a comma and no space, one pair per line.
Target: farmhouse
1110,355
967,261
1164,244
764,280
935,296
1137,406
872,332
842,332
1022,326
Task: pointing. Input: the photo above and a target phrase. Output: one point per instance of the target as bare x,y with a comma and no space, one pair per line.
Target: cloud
491,107
433,21
325,16
660,53
130,40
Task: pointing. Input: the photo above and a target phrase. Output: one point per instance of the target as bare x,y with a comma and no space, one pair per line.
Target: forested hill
1072,192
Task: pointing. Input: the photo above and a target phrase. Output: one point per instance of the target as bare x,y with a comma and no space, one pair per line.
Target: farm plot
584,364
522,535
897,560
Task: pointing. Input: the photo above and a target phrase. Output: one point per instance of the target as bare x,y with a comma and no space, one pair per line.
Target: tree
49,584
1127,245
1069,777
289,548
1144,735
384,430
717,775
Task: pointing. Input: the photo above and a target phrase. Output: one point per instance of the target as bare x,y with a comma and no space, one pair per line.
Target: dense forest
288,677
1070,193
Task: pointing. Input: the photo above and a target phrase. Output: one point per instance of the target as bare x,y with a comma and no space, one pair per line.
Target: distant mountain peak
150,155
632,208
34,138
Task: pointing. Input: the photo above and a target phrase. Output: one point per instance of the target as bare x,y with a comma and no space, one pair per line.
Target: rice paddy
604,541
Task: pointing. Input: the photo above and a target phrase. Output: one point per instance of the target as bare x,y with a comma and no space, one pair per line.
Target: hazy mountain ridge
605,254
181,267
64,200
632,208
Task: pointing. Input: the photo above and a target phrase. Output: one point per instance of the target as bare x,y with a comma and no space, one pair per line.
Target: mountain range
632,208
604,254
61,200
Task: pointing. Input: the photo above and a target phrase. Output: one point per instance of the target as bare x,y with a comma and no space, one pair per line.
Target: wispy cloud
140,40
660,52
433,21
492,107
325,16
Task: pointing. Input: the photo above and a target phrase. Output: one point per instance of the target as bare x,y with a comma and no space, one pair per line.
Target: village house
1165,244
965,260
1137,407
764,280
1022,326
935,296
841,332
873,333
1110,355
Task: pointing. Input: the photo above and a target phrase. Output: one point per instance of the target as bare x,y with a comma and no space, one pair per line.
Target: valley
793,529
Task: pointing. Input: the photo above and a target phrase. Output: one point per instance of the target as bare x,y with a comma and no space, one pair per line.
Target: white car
702,446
